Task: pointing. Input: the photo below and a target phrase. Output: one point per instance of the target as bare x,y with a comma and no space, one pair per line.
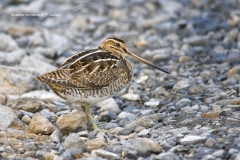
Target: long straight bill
146,62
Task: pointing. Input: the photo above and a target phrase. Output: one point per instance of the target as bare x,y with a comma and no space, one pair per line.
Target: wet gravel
193,113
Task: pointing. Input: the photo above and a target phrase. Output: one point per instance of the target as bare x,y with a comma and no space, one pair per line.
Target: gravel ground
193,113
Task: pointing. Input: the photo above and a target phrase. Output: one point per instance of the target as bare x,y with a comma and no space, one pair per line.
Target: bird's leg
94,126
86,109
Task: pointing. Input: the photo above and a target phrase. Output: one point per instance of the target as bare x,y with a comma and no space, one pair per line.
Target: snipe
94,75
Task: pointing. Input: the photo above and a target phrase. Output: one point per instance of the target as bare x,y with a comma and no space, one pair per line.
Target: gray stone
26,119
127,115
144,133
183,102
192,139
156,117
232,151
78,23
22,113
220,153
171,6
210,142
16,81
72,122
130,154
145,146
47,52
73,141
56,136
161,54
177,131
52,38
182,84
9,118
2,149
105,154
49,115
36,39
12,58
107,116
131,97
109,105
29,146
34,63
41,125
143,122
26,104
43,95
166,146
237,156
2,99
197,40
208,157
7,43
166,156
152,103
33,7
94,144
147,112
83,133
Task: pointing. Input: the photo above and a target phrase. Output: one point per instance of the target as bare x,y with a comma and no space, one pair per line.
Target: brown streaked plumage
94,75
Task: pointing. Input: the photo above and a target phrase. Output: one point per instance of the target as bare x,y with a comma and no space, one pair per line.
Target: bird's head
117,45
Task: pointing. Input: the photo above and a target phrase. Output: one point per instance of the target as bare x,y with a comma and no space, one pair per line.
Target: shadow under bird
94,75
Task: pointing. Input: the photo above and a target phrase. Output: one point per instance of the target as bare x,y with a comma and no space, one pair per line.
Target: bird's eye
117,44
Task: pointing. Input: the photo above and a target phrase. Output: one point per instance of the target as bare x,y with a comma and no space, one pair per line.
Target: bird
93,75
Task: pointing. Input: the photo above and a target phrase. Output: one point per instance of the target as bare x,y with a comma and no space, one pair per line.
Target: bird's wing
93,69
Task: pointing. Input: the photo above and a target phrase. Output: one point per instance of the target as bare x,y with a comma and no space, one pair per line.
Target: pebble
180,85
51,38
127,115
94,144
73,141
41,125
42,95
144,133
12,58
143,122
131,97
27,104
2,99
210,142
31,62
166,156
8,44
105,154
107,116
83,133
177,131
152,103
16,81
72,122
147,112
130,154
220,153
56,136
29,146
192,139
9,118
109,105
33,7
26,119
145,146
